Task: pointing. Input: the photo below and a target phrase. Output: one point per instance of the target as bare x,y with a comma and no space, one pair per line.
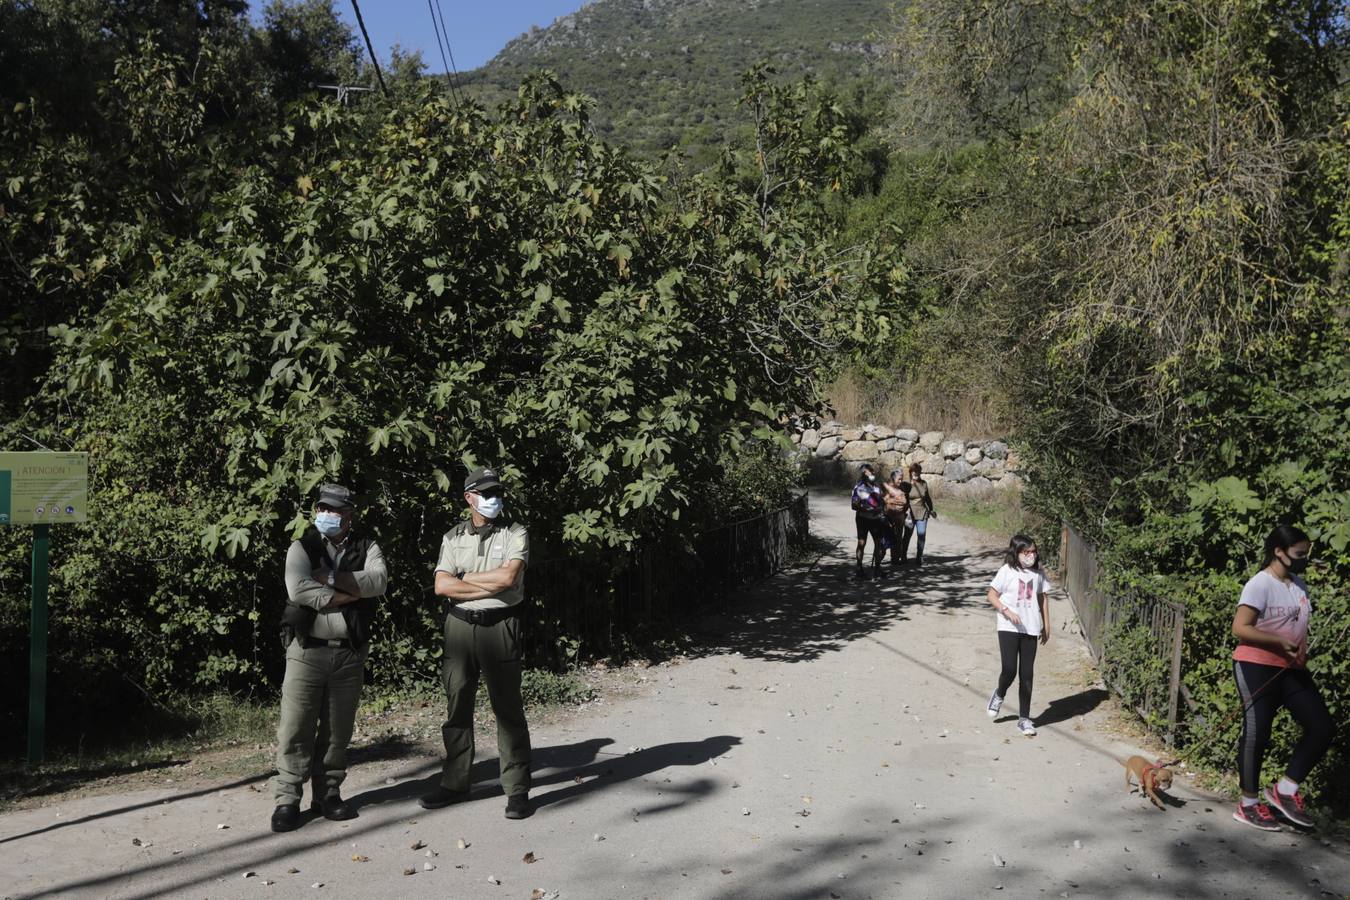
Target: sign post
41,489
37,656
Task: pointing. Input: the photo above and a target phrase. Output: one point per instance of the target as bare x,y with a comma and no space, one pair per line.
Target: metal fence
588,605
1136,639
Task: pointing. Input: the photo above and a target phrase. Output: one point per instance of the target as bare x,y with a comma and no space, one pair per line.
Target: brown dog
1152,777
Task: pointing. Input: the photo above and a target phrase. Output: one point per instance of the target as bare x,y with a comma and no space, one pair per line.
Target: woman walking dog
1270,665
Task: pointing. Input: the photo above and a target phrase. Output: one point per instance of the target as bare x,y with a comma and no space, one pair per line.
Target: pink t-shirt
1281,609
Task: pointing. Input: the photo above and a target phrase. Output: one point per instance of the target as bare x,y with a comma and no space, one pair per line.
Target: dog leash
1191,751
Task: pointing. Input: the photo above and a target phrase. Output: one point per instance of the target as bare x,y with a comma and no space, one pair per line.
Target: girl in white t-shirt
1018,593
1270,665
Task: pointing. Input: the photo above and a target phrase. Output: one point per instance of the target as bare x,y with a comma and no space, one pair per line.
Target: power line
370,48
447,46
439,46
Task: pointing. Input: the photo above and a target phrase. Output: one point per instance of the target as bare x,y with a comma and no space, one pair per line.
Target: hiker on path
895,498
332,579
920,511
1271,668
869,517
481,571
1018,593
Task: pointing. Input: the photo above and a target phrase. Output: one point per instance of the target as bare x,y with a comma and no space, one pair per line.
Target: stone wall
834,452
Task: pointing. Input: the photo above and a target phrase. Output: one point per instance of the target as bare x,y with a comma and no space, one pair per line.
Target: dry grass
921,404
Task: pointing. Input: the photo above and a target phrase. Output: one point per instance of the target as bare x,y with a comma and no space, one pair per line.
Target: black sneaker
995,704
1257,815
333,807
441,797
286,817
1289,806
518,806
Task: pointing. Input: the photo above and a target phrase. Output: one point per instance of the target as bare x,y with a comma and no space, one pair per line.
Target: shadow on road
809,610
122,810
1079,704
934,857
565,763
638,764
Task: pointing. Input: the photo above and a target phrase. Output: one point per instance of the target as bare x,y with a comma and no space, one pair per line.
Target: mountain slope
667,72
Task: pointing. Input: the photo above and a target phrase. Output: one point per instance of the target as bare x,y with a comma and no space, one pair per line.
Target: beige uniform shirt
466,549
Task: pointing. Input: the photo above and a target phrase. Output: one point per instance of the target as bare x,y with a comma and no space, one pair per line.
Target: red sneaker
1258,815
1289,806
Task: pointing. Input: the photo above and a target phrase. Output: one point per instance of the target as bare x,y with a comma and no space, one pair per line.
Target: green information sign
43,488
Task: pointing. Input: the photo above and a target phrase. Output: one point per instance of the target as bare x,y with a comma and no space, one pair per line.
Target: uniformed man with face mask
481,571
333,576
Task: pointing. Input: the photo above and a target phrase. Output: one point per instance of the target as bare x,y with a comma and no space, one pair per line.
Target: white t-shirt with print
1281,609
1019,590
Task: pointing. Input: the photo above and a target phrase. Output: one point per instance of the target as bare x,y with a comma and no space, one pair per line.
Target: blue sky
477,29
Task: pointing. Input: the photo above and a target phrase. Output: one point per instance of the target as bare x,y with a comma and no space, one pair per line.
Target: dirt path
829,741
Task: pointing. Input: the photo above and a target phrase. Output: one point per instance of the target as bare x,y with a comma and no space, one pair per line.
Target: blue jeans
921,529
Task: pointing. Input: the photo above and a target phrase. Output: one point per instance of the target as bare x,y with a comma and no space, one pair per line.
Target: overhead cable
370,48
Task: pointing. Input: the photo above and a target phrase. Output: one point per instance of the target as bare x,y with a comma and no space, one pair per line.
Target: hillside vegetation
666,73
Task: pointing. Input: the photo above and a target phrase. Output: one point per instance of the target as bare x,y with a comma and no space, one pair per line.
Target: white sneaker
1025,726
995,704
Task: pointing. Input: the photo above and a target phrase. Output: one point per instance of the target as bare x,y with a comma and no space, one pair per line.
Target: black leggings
1019,658
1296,692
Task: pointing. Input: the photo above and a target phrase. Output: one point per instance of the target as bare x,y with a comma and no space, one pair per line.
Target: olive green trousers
492,651
319,697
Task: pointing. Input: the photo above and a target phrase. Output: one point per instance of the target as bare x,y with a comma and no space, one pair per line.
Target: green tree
385,293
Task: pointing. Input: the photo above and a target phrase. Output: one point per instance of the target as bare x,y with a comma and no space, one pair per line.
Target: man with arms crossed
481,571
332,579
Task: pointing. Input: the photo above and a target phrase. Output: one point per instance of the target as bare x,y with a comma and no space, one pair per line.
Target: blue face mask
328,523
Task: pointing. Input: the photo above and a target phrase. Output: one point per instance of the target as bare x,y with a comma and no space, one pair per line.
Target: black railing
586,606
1136,639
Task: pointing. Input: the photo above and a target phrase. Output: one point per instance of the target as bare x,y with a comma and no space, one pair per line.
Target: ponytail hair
1018,544
1282,538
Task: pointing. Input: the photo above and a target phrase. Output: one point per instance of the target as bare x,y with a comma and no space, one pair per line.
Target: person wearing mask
869,517
481,572
895,498
920,511
1270,665
333,575
1018,594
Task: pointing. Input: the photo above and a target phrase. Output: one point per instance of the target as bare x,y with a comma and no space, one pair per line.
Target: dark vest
359,616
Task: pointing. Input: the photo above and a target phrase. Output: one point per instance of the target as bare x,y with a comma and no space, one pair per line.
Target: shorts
874,527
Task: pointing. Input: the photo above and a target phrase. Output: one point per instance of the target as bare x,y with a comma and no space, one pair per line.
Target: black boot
518,806
441,797
334,807
286,817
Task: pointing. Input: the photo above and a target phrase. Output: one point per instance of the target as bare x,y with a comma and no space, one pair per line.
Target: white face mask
489,507
1027,560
